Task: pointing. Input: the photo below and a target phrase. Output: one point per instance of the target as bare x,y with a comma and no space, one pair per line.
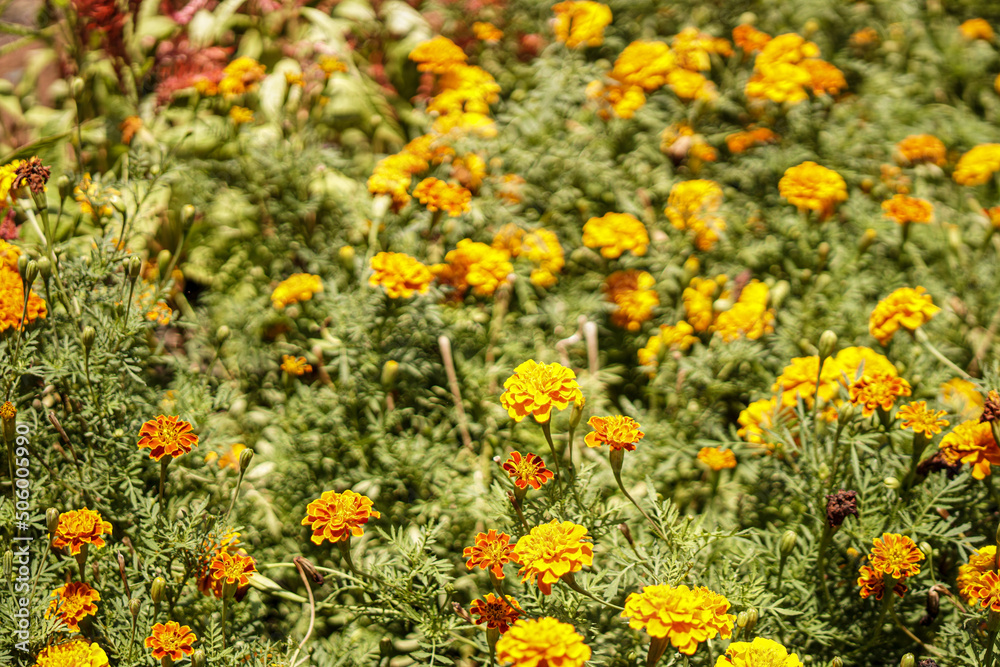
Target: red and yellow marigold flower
978,165
171,640
495,612
581,22
542,642
896,556
211,548
232,568
921,148
167,436
686,616
878,391
490,552
400,275
536,389
872,584
297,287
813,187
437,195
616,431
634,297
476,265
717,458
527,469
75,653
616,233
906,307
80,528
760,652
918,418
336,516
972,442
551,551
988,590
295,365
73,602
981,561
905,209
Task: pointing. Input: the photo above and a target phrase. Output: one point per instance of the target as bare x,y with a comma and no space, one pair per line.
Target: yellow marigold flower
79,528
295,365
167,436
760,652
331,65
542,248
988,591
645,64
241,76
824,77
232,569
616,431
906,307
581,22
631,291
72,603
787,48
551,551
980,562
478,124
749,38
495,612
8,173
75,653
904,209
972,442
542,642
976,29
740,142
962,397
698,299
677,337
476,265
438,195
536,389
529,469
171,640
623,100
687,617
872,584
692,205
813,187
689,85
9,255
749,316
895,555
760,419
615,233
779,82
853,362
717,458
878,391
229,459
798,379
400,275
297,287
240,115
438,55
465,89
509,239
978,165
694,47
160,313
491,552
93,198
486,32
12,299
920,148
918,418
336,516
469,170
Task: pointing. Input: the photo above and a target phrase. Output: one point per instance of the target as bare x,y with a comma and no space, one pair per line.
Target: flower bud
88,336
778,293
163,261
907,660
8,415
221,334
157,589
390,371
246,456
787,543
22,265
134,267
30,272
845,413
741,619
891,483
752,617
576,413
867,239
926,549
837,662
134,606
52,520
44,268
65,187
346,256
187,214
8,564
823,252
627,533
198,659
827,343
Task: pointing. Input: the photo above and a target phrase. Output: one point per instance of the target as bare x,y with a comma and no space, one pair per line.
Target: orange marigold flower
972,442
551,551
978,165
79,528
211,547
740,142
798,379
717,458
758,653
172,640
980,562
616,431
72,603
749,38
76,653
872,584
813,187
336,516
918,418
491,552
295,365
614,233
988,590
527,469
495,612
581,22
824,77
622,99
878,391
129,127
895,555
297,287
12,299
476,265
438,55
437,195
919,148
692,205
687,616
400,275
976,29
906,307
233,568
167,436
542,642
536,389
631,291
762,418
904,209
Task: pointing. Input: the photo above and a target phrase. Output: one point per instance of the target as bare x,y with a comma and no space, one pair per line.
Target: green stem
824,543
925,341
571,582
236,493
617,455
164,462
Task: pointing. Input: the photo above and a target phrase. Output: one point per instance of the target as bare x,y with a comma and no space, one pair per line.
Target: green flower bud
390,371
221,334
891,483
741,619
87,336
157,589
134,606
827,343
867,239
576,413
837,662
134,267
187,214
45,268
30,272
163,261
787,543
845,413
22,265
346,255
907,660
246,456
198,659
752,617
65,187
823,252
52,520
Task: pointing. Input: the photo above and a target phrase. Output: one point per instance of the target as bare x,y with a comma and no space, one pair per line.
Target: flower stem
571,582
926,342
236,493
617,456
547,430
225,608
164,462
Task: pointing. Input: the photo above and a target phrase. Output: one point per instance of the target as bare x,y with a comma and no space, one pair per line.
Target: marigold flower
486,32
749,38
400,275
229,459
920,148
211,548
760,652
749,317
740,142
692,205
978,165
631,291
622,99
918,418
437,55
465,89
988,590
75,653
895,555
906,307
872,584
469,170
962,397
688,617
779,82
864,37
527,469
336,516
694,47
581,22
491,551
689,85
717,458
476,265
551,551
438,195
645,64
616,431
813,187
72,603
542,248
905,209
495,612
615,233
234,568
167,436
698,302
8,173
79,528
477,124
980,562
824,77
297,287
677,337
798,379
762,418
295,365
331,65
542,642
240,115
172,640
241,76
972,442
536,389
878,391
12,300
976,29
854,362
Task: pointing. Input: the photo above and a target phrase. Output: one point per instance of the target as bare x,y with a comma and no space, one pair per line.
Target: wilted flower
31,174
717,458
616,233
542,642
906,307
79,528
491,552
527,469
336,516
400,275
171,640
72,603
616,431
686,616
813,187
297,287
536,389
551,551
167,436
581,22
839,506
